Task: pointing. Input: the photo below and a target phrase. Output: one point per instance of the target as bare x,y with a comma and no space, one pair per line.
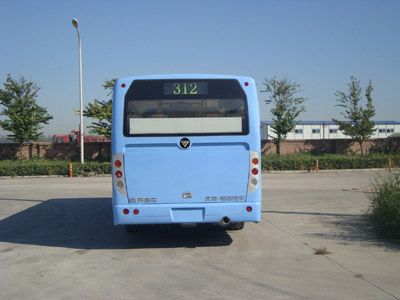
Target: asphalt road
57,241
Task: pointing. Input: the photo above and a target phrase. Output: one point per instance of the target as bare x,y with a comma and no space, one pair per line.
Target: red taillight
123,85
254,171
135,211
125,211
255,161
117,163
249,209
118,174
246,83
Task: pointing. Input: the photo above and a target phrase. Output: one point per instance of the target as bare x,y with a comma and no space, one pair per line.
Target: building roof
333,123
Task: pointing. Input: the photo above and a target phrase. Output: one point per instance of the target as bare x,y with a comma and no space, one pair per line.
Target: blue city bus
186,150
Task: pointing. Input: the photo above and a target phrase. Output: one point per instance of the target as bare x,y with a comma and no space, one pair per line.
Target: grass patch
384,210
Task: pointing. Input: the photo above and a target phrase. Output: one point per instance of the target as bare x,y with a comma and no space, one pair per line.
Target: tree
23,116
102,111
358,123
286,107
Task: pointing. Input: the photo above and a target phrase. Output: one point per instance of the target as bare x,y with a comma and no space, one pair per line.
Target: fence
93,151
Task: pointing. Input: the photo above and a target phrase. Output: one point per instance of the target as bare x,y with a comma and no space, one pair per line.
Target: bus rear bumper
193,213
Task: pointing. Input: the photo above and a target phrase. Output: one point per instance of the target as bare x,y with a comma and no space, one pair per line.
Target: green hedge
385,205
328,161
52,167
269,163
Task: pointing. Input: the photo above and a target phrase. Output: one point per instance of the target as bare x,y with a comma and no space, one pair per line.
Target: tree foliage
101,111
23,117
358,119
286,107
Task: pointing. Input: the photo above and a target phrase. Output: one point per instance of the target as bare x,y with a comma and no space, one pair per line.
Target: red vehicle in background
74,137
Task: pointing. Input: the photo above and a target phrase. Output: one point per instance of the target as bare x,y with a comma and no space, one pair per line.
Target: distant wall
93,151
102,150
339,146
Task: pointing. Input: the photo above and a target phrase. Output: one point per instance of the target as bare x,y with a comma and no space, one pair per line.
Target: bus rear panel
186,149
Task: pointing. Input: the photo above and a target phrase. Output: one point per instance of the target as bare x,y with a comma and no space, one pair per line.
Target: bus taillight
118,172
120,184
254,171
117,163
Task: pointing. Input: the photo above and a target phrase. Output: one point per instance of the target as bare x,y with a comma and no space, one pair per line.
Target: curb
263,172
328,171
51,176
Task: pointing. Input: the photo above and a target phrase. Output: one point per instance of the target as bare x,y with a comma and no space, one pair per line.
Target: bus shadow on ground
344,228
350,229
86,223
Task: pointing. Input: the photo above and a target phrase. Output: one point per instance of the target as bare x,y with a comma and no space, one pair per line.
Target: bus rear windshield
185,107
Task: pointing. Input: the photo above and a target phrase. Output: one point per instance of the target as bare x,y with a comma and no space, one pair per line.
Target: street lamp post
75,24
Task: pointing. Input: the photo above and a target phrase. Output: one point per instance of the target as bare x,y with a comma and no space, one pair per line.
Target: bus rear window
185,107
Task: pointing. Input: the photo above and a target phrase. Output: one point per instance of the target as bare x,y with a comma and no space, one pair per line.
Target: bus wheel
235,226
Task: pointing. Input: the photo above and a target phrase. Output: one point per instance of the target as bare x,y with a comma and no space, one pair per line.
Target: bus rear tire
133,228
235,226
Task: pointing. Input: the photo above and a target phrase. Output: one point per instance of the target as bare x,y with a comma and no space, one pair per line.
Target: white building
316,130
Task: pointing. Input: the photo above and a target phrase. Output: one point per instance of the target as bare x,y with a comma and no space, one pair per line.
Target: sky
318,44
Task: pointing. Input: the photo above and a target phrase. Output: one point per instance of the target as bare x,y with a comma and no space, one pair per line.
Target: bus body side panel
254,138
117,139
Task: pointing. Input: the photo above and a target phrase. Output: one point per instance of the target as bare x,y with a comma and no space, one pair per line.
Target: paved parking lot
57,241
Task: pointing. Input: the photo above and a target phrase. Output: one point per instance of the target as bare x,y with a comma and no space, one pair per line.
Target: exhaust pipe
225,221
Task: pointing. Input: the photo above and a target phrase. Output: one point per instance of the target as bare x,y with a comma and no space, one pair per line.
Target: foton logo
184,143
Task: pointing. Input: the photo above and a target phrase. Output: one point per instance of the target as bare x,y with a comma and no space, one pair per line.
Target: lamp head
75,22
